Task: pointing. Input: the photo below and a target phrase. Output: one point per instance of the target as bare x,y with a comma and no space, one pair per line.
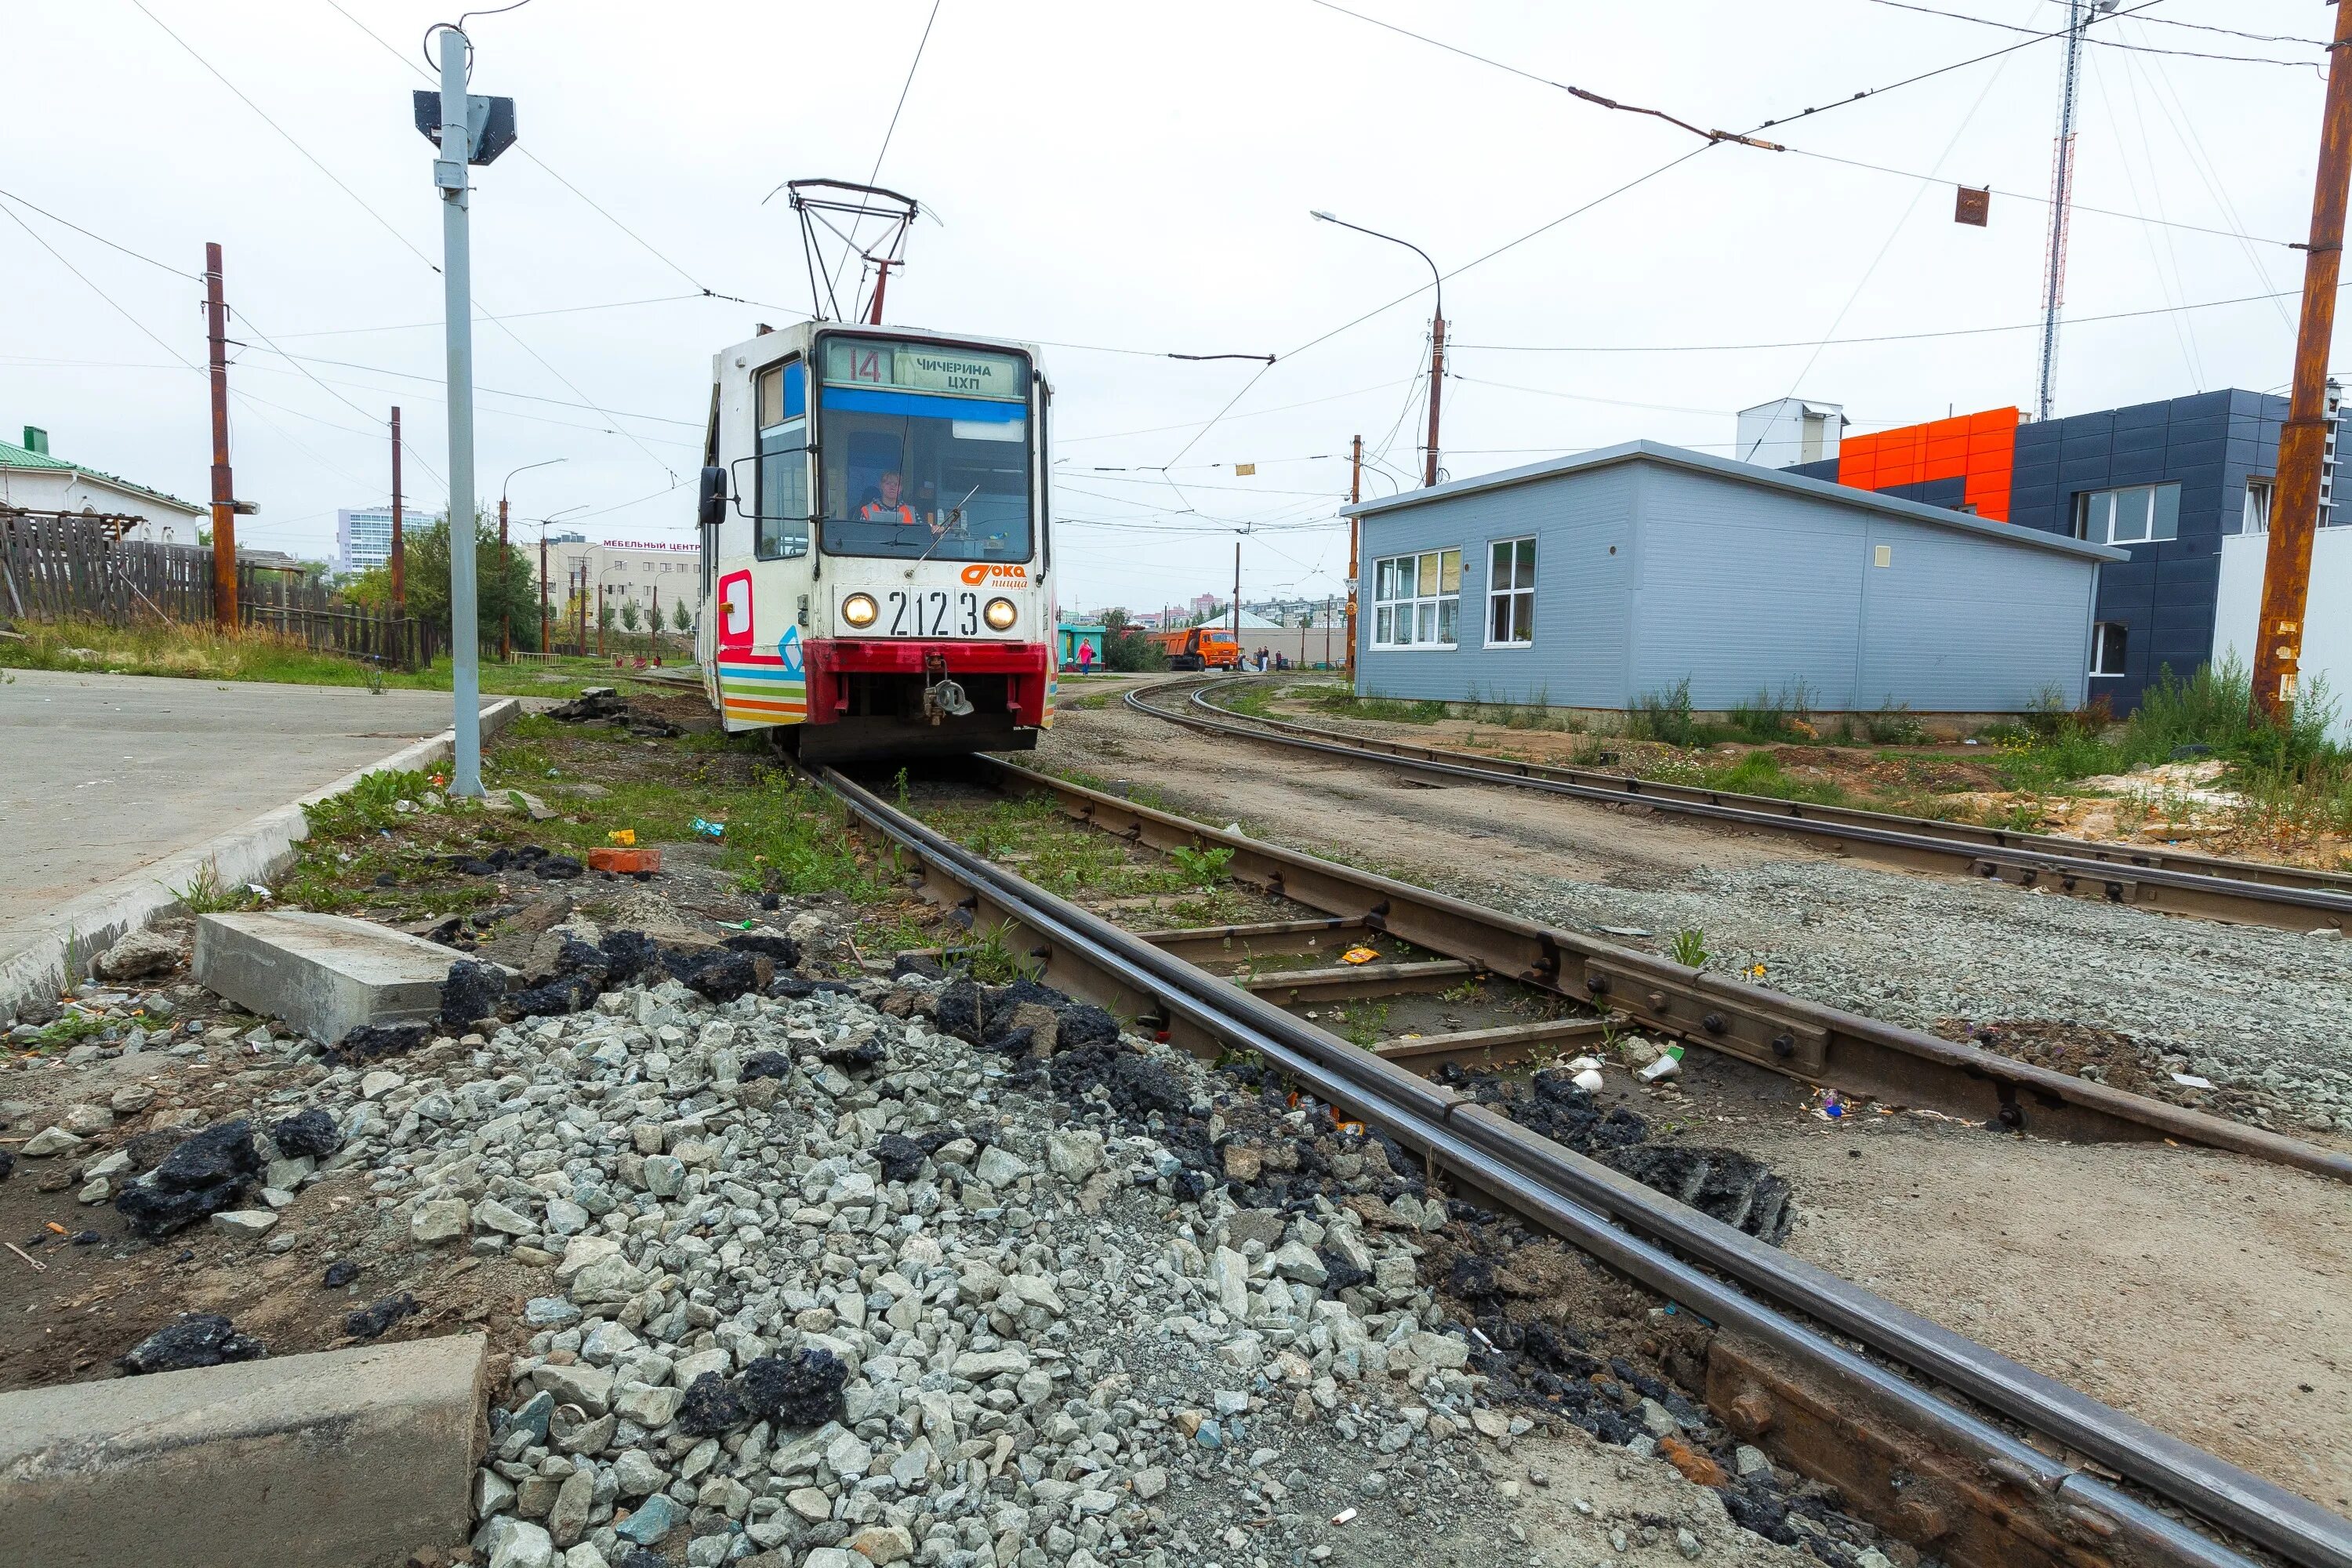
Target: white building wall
1792,431
64,490
2326,623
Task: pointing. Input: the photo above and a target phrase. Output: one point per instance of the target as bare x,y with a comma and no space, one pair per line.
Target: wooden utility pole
399,540
2295,516
224,486
1355,529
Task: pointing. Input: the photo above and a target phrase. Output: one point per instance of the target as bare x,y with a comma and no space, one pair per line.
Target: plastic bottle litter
1665,1067
1832,1107
709,829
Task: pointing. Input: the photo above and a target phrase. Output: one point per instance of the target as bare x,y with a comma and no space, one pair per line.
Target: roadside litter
1359,955
1665,1067
708,829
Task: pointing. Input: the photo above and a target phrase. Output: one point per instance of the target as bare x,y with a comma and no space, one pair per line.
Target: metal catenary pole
465,645
224,486
2295,517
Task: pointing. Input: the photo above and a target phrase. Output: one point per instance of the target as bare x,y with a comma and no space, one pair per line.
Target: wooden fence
56,566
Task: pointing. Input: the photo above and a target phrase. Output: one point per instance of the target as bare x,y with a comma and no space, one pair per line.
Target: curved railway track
2166,881
1925,1431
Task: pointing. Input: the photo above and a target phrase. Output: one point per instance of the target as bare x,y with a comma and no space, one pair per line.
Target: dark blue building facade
2161,601
2164,482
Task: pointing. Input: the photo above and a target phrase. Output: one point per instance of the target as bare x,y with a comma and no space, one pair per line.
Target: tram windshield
924,451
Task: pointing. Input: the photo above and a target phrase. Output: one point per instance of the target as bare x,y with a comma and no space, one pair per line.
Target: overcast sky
1121,181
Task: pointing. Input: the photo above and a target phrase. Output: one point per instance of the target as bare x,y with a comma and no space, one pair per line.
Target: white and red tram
877,550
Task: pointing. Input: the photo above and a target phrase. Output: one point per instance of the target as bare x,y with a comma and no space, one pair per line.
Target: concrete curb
338,1459
252,853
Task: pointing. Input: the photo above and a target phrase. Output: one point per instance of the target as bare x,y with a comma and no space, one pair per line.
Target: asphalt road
103,774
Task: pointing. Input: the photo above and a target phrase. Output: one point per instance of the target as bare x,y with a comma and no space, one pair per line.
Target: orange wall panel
1980,450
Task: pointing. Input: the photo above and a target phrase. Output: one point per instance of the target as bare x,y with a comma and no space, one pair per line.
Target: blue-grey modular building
1592,581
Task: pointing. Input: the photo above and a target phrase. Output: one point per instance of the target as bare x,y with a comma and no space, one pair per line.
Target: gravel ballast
826,1286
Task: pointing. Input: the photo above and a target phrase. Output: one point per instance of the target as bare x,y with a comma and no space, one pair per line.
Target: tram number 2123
930,615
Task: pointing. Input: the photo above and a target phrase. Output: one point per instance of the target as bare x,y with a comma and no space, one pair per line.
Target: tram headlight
1001,615
860,610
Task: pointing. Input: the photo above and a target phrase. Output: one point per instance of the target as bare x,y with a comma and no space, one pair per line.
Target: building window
783,499
2258,507
2135,515
2108,642
1416,599
1511,593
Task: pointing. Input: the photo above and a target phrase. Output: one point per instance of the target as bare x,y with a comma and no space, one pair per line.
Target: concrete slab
344,1459
324,974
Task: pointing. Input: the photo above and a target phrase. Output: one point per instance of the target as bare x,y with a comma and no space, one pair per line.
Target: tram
876,552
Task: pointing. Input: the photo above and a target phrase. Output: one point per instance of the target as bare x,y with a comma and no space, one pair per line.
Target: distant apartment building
655,573
362,538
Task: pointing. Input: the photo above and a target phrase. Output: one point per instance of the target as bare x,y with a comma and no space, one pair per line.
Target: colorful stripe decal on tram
763,689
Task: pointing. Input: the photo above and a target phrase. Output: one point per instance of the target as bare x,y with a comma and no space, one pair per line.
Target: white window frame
2262,491
2126,515
1425,611
1521,595
2099,647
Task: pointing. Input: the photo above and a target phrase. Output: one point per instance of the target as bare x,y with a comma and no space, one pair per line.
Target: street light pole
506,613
457,267
1436,334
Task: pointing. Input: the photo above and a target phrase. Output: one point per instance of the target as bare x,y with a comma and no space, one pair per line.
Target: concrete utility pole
224,486
2079,14
545,647
1355,529
399,543
2295,511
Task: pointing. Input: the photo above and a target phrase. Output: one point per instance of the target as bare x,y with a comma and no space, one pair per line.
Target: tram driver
885,506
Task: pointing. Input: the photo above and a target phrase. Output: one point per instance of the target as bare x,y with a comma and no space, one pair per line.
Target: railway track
1929,1434
2165,880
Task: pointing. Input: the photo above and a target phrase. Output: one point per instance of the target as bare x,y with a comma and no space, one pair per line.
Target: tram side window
783,508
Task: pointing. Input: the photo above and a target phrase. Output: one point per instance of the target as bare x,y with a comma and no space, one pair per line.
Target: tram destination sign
917,367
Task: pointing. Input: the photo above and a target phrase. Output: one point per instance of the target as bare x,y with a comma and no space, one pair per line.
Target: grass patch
204,653
1346,704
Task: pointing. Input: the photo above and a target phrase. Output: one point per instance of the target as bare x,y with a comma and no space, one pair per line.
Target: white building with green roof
33,481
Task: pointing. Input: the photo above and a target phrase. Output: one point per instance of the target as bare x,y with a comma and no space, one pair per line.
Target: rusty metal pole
1355,534
399,541
506,610
223,484
2295,516
1437,380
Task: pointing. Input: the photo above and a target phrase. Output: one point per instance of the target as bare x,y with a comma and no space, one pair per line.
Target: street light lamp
1436,332
506,617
